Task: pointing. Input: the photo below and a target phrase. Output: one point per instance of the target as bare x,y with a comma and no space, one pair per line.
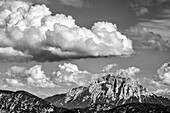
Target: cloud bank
142,7
144,37
66,75
32,32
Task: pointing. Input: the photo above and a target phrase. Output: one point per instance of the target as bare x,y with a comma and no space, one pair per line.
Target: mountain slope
24,102
113,90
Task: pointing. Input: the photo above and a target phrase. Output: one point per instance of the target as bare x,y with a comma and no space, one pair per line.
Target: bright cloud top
32,32
69,73
34,77
164,74
162,78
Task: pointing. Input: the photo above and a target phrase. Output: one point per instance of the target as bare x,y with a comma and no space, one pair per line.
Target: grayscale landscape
84,56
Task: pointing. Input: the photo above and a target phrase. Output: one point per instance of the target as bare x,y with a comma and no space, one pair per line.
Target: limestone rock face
111,90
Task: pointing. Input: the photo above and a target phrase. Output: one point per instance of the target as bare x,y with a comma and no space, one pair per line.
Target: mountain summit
110,91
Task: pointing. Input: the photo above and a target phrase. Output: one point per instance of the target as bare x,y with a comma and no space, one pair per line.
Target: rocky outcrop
112,90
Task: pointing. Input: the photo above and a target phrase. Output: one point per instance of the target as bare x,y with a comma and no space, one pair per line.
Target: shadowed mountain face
24,102
109,90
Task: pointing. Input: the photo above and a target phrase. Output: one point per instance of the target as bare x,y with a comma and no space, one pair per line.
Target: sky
50,46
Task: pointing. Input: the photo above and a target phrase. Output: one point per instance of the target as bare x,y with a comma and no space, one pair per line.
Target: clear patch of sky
116,11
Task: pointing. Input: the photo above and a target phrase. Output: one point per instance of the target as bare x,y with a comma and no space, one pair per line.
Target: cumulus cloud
13,82
17,71
128,73
69,73
143,37
66,75
33,30
163,74
162,78
38,78
34,77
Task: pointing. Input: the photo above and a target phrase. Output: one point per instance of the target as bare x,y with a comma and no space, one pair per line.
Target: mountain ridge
115,90
25,102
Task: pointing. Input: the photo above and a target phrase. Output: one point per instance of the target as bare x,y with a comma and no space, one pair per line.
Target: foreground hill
24,102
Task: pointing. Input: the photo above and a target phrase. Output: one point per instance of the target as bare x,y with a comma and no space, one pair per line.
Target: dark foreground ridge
24,102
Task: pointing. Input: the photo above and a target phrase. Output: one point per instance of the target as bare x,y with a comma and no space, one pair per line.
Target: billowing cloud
38,78
13,82
66,75
144,37
33,30
162,78
69,74
163,74
74,3
128,73
34,77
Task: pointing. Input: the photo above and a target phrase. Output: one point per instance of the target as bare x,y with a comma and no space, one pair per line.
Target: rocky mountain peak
111,90
117,87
